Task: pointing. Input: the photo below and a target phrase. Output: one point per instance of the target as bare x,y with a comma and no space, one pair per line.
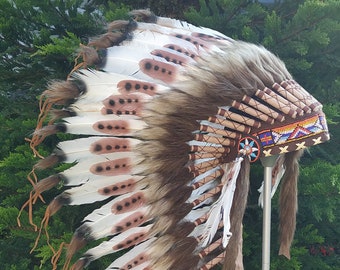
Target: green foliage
65,46
114,11
323,199
233,18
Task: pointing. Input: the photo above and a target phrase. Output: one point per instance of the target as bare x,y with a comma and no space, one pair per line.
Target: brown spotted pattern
133,220
194,40
128,204
132,240
110,145
119,188
141,258
158,70
112,167
180,50
113,127
134,86
122,105
170,57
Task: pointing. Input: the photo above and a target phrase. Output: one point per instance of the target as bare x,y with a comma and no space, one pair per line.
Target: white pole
268,163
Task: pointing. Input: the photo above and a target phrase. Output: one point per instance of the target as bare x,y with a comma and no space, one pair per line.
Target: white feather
131,254
84,124
88,192
211,225
196,213
207,201
103,227
106,209
205,174
174,31
149,40
106,247
228,195
197,232
188,28
195,194
80,108
80,173
100,85
221,208
79,149
125,60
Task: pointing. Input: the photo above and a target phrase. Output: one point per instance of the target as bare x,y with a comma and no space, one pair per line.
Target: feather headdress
171,117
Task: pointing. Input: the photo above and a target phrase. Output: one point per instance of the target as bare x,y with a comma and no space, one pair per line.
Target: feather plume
126,239
220,210
129,258
100,188
142,65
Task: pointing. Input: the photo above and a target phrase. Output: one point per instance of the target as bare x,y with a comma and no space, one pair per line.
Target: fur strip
236,216
288,202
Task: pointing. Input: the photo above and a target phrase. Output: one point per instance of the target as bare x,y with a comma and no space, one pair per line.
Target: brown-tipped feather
47,183
45,131
76,244
47,162
59,114
41,133
236,216
288,202
118,25
56,204
89,55
62,92
107,40
143,15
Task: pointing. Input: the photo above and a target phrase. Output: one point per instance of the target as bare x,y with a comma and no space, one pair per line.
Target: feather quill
221,208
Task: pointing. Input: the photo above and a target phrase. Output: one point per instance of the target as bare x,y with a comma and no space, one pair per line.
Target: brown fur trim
144,15
288,202
89,55
236,216
62,92
179,256
107,40
169,224
76,244
56,114
118,25
46,184
47,162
